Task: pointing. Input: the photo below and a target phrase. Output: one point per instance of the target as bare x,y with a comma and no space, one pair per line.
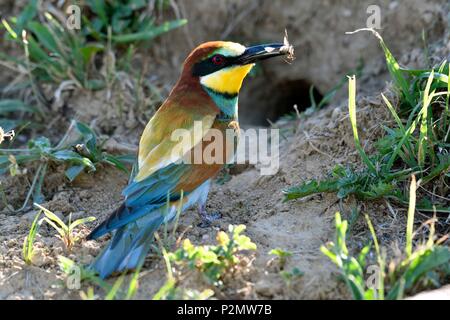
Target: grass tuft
28,243
418,143
377,281
211,262
66,57
65,232
83,152
88,276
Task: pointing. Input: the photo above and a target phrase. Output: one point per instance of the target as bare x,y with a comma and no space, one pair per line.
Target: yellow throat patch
228,80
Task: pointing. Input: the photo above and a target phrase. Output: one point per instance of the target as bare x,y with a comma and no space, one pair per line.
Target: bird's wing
143,198
159,175
168,135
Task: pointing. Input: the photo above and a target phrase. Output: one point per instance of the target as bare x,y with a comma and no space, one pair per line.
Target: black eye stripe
207,66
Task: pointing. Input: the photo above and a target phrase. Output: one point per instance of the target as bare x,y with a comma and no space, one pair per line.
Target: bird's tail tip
127,249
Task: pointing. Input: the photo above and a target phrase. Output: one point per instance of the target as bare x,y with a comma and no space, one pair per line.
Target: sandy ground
247,198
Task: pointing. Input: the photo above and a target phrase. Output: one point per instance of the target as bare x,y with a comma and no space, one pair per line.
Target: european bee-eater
206,93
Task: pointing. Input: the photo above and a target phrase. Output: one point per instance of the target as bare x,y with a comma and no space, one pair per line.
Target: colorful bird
207,94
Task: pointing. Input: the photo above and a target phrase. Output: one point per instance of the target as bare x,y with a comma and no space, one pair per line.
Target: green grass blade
61,226
134,285
162,293
352,114
9,29
149,34
111,295
406,137
13,105
410,222
441,168
393,112
44,36
422,143
309,188
170,283
404,140
396,73
28,13
27,250
59,229
446,113
78,222
99,7
393,67
311,97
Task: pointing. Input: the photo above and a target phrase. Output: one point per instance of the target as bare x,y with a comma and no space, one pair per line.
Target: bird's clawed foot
207,218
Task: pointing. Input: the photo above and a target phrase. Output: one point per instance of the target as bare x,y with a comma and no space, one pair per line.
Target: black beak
262,52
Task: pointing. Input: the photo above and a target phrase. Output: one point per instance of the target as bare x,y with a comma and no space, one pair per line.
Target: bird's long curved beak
264,51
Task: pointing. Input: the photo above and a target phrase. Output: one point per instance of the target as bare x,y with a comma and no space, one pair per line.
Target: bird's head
221,66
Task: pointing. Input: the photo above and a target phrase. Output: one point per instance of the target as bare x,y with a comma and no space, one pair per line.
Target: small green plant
111,292
282,256
287,275
170,291
418,143
28,243
352,268
84,152
88,146
53,53
212,261
65,232
130,21
389,282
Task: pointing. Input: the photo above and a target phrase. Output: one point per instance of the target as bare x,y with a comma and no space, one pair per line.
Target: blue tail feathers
127,249
133,228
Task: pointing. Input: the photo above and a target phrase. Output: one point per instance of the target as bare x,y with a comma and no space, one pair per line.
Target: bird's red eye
218,59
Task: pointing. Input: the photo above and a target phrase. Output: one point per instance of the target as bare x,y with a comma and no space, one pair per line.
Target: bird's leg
207,218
